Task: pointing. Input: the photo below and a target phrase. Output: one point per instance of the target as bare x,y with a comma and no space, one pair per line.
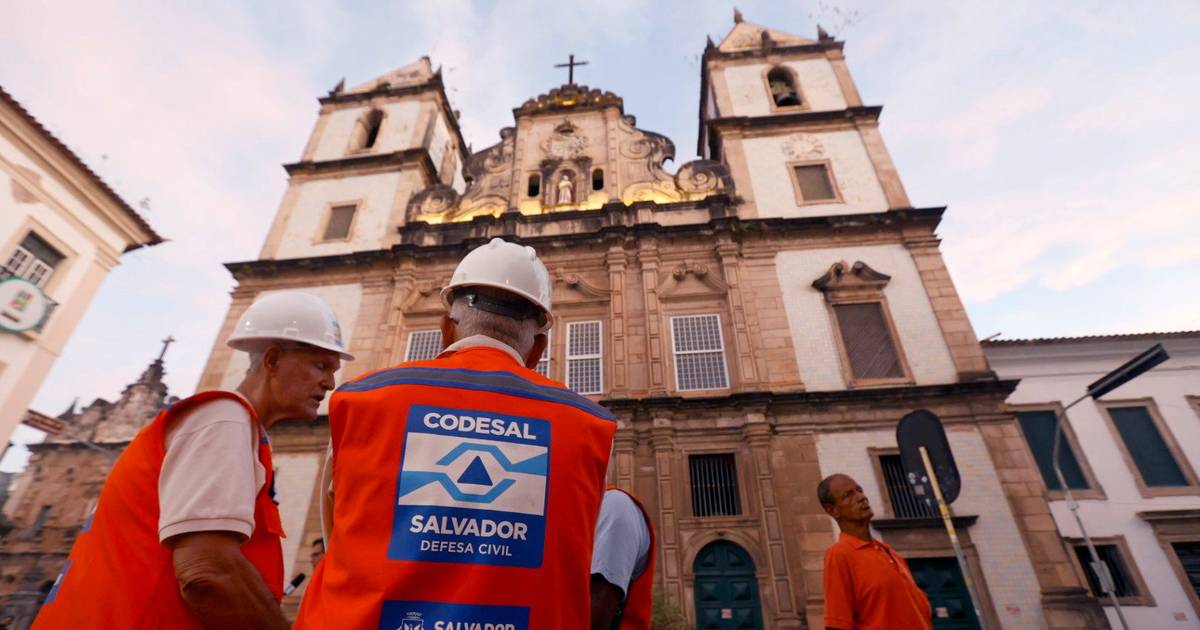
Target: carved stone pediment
432,202
572,287
689,279
567,97
425,297
843,278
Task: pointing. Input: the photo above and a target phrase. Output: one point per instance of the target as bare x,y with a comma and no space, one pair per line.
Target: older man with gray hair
186,533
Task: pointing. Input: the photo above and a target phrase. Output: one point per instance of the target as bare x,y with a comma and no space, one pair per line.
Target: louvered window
585,359
905,502
868,342
423,345
714,485
699,350
814,183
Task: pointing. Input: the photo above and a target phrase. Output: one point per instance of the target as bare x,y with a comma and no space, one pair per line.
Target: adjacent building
1129,459
62,230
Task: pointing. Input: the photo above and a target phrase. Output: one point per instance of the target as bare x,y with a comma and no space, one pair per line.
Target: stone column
648,260
662,440
744,323
965,350
757,433
614,260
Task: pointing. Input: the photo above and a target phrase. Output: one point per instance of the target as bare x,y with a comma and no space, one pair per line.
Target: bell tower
783,112
372,147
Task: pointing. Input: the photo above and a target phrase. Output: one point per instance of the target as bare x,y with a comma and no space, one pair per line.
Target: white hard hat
289,316
506,266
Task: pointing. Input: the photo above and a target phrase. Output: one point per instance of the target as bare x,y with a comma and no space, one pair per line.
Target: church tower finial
166,343
737,16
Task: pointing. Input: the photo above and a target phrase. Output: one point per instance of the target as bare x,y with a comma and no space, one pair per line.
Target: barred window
585,367
714,485
905,502
543,365
423,345
699,352
1123,583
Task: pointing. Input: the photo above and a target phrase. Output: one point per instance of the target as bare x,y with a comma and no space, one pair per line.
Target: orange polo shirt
868,587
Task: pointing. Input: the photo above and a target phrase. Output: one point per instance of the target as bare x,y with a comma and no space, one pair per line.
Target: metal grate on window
714,485
423,345
905,502
543,365
1123,584
699,352
585,366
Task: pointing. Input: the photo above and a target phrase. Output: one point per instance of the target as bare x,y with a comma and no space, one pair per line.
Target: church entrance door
726,589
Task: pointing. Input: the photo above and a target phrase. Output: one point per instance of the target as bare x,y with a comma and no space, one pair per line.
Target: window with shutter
699,352
867,341
423,345
340,219
1151,449
1038,429
585,367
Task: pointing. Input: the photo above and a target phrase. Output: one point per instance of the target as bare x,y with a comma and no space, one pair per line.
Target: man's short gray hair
518,333
256,355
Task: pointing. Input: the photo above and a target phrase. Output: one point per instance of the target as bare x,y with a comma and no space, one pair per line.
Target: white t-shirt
622,544
211,474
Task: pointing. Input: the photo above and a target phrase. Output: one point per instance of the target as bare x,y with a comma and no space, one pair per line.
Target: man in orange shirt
867,584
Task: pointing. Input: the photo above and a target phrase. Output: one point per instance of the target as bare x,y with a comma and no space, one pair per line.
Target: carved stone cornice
569,97
677,284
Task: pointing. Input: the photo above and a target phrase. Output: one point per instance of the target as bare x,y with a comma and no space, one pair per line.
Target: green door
943,583
726,589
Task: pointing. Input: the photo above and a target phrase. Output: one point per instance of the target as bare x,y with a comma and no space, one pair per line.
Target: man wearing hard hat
186,533
465,489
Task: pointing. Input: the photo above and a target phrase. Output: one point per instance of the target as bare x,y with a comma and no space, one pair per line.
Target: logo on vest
405,615
472,489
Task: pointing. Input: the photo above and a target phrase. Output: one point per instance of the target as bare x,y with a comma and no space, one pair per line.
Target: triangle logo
476,474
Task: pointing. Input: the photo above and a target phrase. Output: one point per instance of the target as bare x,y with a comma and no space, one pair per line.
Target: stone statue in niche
566,190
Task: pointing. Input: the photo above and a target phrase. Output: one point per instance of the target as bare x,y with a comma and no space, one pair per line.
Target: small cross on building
570,66
166,342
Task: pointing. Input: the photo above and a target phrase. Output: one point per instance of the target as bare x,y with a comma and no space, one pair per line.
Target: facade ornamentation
801,146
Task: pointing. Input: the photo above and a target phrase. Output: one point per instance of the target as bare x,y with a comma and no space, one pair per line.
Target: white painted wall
1007,569
395,133
293,489
82,233
378,194
818,86
774,193
344,299
811,326
1060,373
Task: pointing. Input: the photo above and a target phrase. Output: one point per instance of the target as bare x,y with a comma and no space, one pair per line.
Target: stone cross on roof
570,66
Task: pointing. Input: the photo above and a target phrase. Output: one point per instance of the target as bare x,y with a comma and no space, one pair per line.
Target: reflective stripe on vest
636,609
465,491
118,574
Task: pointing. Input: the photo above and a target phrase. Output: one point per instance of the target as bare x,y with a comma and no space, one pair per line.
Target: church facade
757,319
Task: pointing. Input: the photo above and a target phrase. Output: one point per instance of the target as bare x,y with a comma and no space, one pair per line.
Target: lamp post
1130,370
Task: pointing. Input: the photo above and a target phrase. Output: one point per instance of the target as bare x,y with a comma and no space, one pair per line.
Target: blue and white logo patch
399,615
472,488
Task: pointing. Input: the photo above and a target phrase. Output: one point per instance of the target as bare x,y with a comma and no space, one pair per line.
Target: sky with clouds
1062,136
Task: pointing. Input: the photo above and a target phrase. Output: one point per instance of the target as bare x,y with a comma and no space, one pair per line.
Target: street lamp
1130,370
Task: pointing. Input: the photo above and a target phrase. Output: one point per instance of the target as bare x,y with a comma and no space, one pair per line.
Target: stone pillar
614,260
743,321
662,440
965,350
1066,603
648,260
757,433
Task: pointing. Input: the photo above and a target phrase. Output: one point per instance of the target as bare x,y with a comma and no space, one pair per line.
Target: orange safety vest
465,495
118,574
636,609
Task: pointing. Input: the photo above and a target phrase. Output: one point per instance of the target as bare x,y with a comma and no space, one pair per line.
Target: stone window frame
327,215
833,182
1144,596
1193,485
360,128
865,286
1094,490
804,105
1172,526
